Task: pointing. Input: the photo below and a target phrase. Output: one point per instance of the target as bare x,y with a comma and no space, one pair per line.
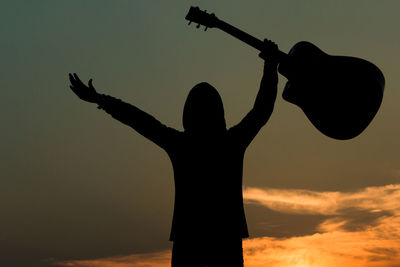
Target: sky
77,188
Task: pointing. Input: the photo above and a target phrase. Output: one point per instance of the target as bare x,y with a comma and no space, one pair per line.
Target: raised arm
128,114
258,116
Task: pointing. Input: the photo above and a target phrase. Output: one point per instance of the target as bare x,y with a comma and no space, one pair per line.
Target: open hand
86,93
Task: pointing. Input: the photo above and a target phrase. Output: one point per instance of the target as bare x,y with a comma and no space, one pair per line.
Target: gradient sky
77,186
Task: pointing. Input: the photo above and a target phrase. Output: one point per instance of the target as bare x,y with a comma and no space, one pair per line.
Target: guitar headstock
201,17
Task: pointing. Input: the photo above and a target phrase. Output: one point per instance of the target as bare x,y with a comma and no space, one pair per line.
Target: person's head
203,111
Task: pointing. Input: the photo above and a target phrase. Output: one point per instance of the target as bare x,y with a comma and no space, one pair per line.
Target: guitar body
340,95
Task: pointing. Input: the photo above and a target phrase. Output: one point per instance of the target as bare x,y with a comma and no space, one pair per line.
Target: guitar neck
243,36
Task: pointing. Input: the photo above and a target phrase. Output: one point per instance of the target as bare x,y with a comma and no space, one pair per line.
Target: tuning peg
189,22
198,26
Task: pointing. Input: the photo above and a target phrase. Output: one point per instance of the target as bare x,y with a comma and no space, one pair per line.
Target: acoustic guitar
340,95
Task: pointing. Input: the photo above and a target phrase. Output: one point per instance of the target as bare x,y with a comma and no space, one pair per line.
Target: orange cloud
372,247
363,229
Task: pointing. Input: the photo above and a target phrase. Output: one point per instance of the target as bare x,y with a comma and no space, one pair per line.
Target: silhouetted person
207,158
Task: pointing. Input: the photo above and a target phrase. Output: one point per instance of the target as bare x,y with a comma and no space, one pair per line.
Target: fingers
262,55
91,84
71,78
77,78
74,81
270,46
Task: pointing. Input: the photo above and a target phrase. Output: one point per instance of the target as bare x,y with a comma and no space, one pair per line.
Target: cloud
372,247
362,228
295,201
157,259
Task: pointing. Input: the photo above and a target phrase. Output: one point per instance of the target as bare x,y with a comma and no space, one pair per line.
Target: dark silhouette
207,158
339,95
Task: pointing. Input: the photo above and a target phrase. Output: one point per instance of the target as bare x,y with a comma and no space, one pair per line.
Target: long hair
203,110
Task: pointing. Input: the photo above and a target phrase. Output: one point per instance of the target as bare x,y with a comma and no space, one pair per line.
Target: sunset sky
79,189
